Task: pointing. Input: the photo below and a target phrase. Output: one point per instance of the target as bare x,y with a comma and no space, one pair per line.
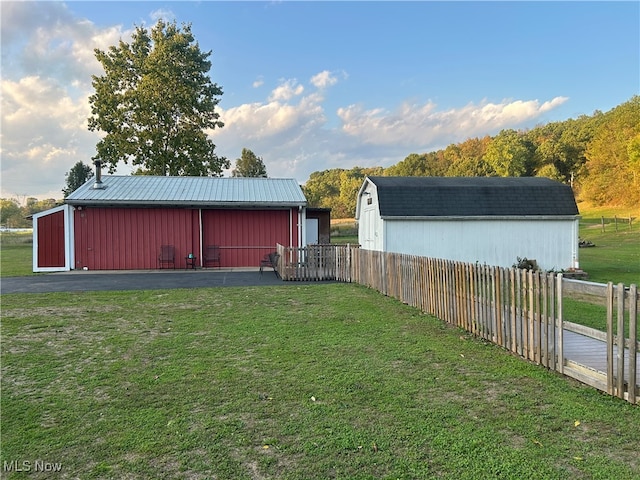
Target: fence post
551,321
544,322
497,306
633,335
609,300
512,302
538,316
560,326
532,343
620,341
519,310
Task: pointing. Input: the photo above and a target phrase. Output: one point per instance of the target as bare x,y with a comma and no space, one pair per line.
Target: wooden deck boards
592,353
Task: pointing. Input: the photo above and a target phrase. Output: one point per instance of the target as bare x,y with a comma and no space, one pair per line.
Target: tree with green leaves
10,213
76,177
613,158
33,205
322,189
509,154
418,165
466,159
155,103
337,189
249,165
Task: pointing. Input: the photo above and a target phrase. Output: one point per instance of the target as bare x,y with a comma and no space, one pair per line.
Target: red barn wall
130,238
245,236
51,246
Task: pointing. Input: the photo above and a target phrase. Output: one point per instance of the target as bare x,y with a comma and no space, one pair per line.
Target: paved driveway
82,281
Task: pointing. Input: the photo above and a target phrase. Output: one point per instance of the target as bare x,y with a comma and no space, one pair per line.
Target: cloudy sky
310,86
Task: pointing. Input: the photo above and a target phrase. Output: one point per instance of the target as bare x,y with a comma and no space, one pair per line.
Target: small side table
191,262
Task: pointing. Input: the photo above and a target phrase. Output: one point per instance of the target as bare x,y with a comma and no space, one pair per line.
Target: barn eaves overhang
203,205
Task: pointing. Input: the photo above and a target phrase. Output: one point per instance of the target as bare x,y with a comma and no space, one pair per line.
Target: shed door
51,247
370,230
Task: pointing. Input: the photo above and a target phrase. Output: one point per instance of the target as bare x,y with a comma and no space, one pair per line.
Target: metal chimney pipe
97,185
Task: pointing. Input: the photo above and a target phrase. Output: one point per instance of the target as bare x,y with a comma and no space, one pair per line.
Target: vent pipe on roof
97,185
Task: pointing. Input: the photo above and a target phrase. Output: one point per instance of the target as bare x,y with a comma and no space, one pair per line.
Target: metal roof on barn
473,197
142,190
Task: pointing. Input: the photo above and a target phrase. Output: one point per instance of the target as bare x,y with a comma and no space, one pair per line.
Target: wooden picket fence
519,310
315,262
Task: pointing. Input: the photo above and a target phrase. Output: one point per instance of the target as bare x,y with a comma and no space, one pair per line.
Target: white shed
489,220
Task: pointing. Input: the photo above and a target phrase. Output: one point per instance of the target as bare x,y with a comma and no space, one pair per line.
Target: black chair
167,256
270,260
211,255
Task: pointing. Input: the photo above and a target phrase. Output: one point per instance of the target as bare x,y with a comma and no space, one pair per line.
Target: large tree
613,158
418,165
76,177
10,213
155,102
249,165
509,154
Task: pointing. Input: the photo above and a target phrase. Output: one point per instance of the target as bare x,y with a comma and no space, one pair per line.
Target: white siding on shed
497,242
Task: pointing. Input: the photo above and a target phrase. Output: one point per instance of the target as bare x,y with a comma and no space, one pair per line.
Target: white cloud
423,126
53,43
286,91
162,14
323,80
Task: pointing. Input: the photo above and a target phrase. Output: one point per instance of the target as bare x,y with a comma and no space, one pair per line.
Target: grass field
16,252
293,382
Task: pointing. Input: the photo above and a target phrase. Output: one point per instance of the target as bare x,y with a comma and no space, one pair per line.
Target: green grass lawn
616,255
292,382
344,239
15,260
16,253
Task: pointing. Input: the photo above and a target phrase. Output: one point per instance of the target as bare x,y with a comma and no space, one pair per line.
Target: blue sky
315,85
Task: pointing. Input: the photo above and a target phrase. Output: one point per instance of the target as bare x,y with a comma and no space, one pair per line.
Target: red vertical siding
246,235
51,240
130,238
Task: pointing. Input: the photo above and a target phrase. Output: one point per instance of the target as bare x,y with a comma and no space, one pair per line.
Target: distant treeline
14,215
598,155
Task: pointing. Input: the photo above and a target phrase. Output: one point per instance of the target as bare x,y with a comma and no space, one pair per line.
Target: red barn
121,223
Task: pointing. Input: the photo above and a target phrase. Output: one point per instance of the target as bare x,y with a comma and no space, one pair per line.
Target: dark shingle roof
473,196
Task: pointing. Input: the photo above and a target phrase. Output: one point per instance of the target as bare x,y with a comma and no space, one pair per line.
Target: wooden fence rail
315,263
519,310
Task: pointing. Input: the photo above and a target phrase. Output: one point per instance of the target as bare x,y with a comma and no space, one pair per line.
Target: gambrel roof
471,197
143,190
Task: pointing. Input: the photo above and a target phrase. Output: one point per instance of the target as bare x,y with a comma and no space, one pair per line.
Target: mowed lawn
293,382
